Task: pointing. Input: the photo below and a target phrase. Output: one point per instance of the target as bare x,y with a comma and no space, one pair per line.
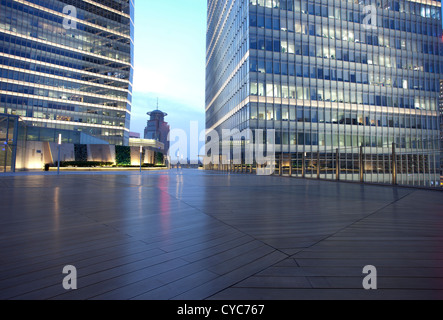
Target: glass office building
441,129
68,65
351,89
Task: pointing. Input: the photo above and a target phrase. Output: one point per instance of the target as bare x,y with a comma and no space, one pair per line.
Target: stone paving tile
205,235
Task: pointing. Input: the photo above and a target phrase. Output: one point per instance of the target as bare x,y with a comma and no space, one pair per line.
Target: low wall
149,156
33,155
101,153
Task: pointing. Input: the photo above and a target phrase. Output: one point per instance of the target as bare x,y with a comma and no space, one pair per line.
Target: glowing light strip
428,2
56,13
71,123
45,75
230,114
321,104
56,45
55,66
339,105
62,90
77,103
107,8
243,60
218,36
211,14
218,24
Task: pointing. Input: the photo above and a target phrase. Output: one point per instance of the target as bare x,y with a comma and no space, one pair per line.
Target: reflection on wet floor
199,235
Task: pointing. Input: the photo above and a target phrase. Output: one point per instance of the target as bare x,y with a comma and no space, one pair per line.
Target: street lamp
6,153
59,145
178,160
141,153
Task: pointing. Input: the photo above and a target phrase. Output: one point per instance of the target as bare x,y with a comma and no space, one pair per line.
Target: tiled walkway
204,235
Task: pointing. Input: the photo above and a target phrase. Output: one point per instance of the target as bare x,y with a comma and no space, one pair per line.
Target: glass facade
8,142
441,131
335,80
68,65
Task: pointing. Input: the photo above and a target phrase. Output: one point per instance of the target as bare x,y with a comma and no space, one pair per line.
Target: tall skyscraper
68,65
335,79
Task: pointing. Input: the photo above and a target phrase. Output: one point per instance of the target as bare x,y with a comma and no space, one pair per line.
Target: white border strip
71,123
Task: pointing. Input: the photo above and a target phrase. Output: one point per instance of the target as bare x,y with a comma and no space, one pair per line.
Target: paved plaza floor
194,235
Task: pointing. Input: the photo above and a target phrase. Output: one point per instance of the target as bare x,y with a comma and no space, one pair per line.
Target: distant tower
157,128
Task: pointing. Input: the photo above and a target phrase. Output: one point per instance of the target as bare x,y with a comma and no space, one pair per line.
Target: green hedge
123,155
146,165
159,158
85,164
81,152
